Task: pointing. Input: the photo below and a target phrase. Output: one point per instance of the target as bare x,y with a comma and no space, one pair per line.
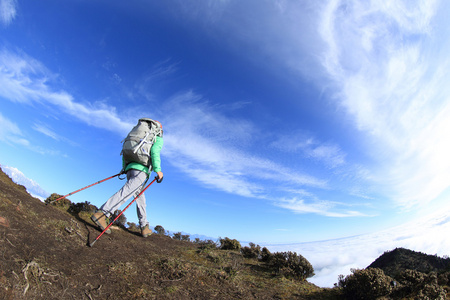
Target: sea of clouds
334,257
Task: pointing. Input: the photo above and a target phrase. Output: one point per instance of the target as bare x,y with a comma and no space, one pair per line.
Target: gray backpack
136,146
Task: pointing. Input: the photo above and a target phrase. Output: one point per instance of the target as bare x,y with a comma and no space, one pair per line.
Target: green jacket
155,154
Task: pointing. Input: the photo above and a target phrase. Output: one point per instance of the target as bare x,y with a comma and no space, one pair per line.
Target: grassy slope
44,254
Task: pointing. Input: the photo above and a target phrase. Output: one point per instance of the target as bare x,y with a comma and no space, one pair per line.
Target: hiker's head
160,127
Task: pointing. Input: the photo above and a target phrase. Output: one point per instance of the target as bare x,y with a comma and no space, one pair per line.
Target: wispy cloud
8,11
199,143
308,146
388,64
46,131
10,132
26,80
158,74
50,132
316,206
163,69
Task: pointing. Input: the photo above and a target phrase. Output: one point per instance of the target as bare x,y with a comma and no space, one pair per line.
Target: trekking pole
107,227
50,202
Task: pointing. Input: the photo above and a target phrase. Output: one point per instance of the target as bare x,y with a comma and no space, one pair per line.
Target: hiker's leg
140,178
141,210
134,181
140,202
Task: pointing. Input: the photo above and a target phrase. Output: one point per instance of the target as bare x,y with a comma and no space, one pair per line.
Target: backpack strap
142,142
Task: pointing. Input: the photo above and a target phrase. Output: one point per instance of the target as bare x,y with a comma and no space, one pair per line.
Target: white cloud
10,132
206,145
26,80
389,64
328,153
46,131
159,73
316,206
210,148
32,187
8,11
204,137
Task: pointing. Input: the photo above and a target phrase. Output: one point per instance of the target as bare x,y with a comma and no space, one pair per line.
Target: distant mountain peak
400,259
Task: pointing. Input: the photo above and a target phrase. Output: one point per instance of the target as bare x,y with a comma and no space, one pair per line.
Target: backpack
136,146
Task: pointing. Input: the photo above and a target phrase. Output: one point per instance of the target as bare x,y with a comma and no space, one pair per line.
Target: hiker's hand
160,175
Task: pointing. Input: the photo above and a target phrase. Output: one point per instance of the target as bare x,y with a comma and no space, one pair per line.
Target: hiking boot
99,218
145,231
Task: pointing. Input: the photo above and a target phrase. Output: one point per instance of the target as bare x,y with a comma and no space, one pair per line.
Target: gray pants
133,186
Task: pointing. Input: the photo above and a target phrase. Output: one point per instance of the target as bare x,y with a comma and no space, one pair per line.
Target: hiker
140,156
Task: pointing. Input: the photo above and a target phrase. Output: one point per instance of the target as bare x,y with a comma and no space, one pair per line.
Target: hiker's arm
156,155
123,164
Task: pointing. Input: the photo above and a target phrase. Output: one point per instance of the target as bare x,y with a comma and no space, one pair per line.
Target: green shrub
62,202
254,251
177,236
86,206
160,230
229,244
373,283
132,227
368,284
121,221
265,255
420,285
206,244
291,264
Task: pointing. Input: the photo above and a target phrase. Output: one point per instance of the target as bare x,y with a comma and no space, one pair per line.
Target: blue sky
285,121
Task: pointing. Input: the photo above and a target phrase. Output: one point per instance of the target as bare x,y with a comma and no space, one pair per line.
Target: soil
45,254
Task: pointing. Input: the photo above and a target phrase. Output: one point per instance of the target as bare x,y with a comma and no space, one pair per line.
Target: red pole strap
110,224
84,188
